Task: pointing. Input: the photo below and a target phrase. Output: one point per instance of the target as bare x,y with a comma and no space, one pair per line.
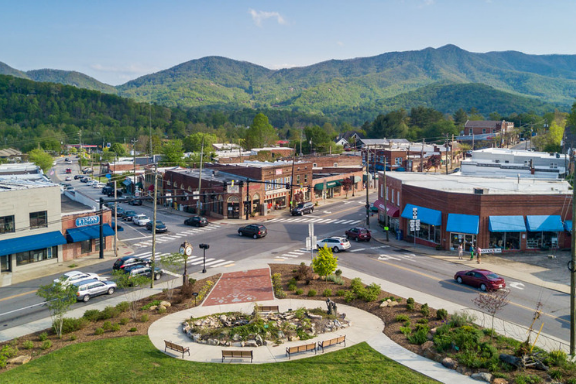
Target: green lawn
135,360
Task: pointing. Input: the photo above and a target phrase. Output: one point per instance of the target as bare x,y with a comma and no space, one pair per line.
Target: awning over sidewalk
425,215
31,243
462,223
543,223
391,210
507,224
329,184
568,225
87,233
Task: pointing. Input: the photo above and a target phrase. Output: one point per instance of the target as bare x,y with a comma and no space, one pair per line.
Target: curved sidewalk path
224,298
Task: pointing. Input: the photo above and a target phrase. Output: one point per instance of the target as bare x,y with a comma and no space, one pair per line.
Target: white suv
76,276
337,244
140,219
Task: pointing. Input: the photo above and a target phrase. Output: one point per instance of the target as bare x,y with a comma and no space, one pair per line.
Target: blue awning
31,243
425,215
507,224
127,182
87,233
568,225
462,223
544,223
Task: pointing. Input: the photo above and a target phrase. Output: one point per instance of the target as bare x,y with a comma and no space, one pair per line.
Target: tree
391,126
118,149
260,134
131,284
59,299
318,137
492,302
325,262
172,263
193,142
347,185
460,118
173,153
41,159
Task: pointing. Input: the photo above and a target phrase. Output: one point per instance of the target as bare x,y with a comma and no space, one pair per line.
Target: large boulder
19,360
482,376
449,363
165,304
251,343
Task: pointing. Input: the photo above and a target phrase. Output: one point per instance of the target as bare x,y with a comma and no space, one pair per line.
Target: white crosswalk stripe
201,261
221,264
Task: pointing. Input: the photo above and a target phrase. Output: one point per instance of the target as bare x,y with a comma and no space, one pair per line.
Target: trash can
399,235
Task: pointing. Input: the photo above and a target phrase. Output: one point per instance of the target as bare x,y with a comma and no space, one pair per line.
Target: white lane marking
172,273
221,264
357,250
215,262
516,285
201,261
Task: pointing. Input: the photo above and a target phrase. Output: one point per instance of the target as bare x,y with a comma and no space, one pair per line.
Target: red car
358,233
480,278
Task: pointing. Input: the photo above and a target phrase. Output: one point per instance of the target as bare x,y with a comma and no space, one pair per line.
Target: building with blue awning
505,232
543,231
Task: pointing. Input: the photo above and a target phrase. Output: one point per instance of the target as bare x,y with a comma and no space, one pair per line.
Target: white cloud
259,16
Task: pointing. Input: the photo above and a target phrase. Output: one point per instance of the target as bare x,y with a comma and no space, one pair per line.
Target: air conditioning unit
480,191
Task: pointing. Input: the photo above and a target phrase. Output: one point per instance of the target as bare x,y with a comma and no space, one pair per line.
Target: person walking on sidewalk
478,254
460,251
472,252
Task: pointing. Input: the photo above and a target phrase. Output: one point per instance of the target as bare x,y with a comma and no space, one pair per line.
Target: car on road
358,234
76,177
85,179
128,261
87,289
480,278
135,202
68,178
68,170
160,226
303,208
196,221
144,270
106,189
111,192
335,243
455,170
253,230
128,215
140,219
97,185
76,276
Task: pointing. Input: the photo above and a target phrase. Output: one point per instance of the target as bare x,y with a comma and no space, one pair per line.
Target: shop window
5,263
23,258
168,182
397,197
387,194
392,196
38,219
86,246
335,164
7,224
429,232
398,161
505,240
298,179
314,165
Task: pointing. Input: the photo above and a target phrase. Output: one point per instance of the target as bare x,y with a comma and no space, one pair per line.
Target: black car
253,230
160,226
106,190
303,208
76,177
135,202
143,270
111,193
197,221
128,261
128,215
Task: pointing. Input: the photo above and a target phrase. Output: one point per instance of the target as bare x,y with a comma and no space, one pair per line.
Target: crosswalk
293,254
160,238
312,219
192,260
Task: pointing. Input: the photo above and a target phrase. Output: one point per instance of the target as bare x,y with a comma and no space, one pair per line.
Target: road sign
414,213
310,242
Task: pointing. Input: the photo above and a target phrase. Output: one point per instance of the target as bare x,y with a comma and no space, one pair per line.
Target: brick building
499,215
483,127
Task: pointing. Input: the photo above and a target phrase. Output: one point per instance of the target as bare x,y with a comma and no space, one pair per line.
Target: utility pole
115,222
153,257
422,157
134,141
150,128
386,229
292,179
247,204
198,204
367,187
452,153
446,150
101,227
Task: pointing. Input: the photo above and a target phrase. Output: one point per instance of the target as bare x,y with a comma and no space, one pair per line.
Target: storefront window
504,240
5,263
429,232
466,239
38,219
542,240
86,246
23,258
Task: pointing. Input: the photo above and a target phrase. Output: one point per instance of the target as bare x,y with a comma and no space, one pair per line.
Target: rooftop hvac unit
480,191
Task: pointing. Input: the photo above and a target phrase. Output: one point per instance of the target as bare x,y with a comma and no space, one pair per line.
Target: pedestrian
460,251
478,254
471,252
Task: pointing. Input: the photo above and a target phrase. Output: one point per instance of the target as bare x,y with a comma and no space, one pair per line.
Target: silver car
90,288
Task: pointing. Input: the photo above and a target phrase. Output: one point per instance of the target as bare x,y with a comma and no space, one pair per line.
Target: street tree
325,262
492,302
193,142
59,298
172,263
173,153
347,185
260,134
118,149
132,285
41,159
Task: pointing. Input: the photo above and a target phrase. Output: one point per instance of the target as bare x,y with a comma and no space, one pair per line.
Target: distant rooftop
516,152
70,206
16,185
19,168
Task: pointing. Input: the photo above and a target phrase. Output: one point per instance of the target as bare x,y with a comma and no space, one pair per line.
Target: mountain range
445,78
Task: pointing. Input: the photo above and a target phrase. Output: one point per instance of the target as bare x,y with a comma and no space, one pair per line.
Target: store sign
87,220
491,250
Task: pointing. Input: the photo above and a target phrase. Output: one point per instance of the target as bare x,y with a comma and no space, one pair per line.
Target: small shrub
556,374
304,273
70,325
292,281
557,358
191,281
370,293
419,337
109,313
422,321
144,318
338,272
123,306
407,323
28,344
151,304
349,296
162,310
311,293
115,327
356,285
92,315
571,380
441,314
425,310
489,332
73,337
133,329
460,319
124,320
47,344
99,331
340,292
107,325
299,291
43,336
410,307
406,331
336,279
292,287
327,293
402,318
410,301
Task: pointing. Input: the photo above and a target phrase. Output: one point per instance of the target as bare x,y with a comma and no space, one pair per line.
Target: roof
68,206
490,185
16,185
9,152
485,123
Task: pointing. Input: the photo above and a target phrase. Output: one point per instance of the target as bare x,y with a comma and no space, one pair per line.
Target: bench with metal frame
268,308
334,341
300,348
176,347
237,354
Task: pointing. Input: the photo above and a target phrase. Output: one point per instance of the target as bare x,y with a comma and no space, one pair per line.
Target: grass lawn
135,360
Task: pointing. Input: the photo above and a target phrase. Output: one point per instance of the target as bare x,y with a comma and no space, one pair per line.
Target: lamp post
204,247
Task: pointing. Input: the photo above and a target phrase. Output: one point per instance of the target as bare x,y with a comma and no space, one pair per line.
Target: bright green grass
135,360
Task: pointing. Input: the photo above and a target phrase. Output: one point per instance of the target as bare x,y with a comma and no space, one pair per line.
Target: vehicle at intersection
253,230
335,243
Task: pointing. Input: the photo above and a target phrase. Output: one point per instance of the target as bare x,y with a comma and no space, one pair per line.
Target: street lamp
204,247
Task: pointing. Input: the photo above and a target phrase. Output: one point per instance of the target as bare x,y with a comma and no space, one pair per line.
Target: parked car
358,233
197,221
135,202
253,230
86,179
143,270
303,208
111,192
480,278
89,288
455,170
128,215
337,244
160,226
140,219
98,185
76,276
128,261
68,178
76,177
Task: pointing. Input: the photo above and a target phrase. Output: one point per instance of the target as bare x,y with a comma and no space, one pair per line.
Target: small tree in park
173,263
492,302
325,262
58,298
132,285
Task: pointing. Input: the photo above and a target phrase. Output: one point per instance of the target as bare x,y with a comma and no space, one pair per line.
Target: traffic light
287,185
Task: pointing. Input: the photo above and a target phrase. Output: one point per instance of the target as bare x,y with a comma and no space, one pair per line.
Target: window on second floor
398,161
306,179
298,179
7,224
38,219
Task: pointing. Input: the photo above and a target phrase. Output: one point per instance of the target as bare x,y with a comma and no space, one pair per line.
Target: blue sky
116,41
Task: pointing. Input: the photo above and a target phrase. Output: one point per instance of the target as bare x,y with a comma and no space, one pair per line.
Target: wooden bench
176,347
237,354
334,341
268,308
300,348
